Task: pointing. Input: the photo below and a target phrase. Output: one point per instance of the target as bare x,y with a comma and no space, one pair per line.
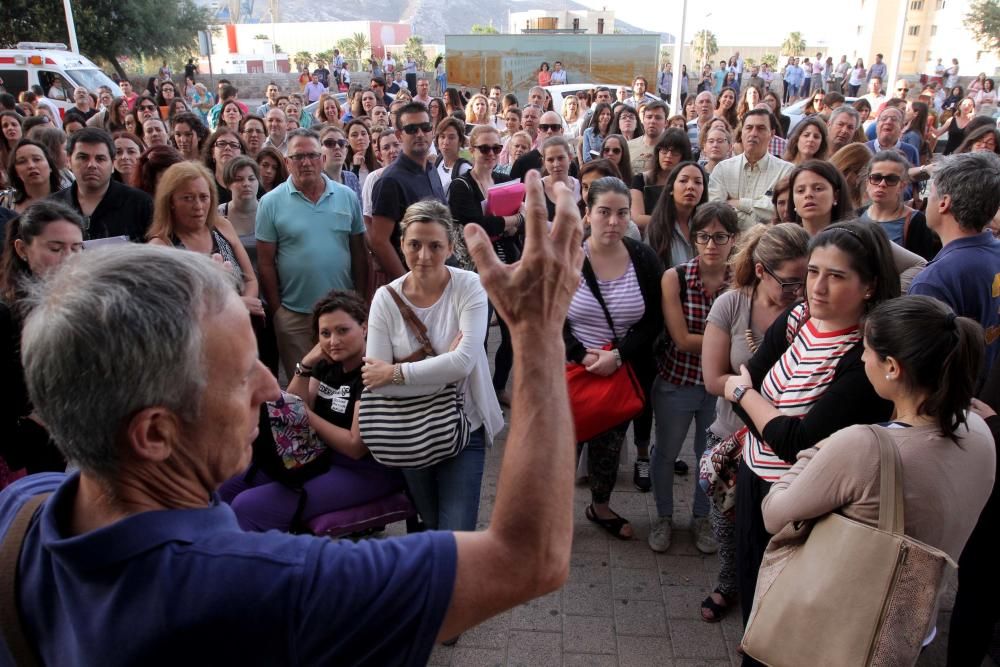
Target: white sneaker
704,540
659,535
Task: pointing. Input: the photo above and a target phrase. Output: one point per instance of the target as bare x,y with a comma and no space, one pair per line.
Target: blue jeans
674,407
447,494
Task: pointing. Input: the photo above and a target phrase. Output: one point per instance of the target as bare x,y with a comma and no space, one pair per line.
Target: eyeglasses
413,128
788,287
546,127
612,151
234,145
486,148
890,179
253,130
300,157
720,238
331,143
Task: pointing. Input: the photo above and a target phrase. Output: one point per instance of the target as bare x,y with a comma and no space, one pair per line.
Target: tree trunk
118,68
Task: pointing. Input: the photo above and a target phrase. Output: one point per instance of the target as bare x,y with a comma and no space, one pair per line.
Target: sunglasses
890,179
413,128
720,238
486,148
146,107
788,287
331,143
546,127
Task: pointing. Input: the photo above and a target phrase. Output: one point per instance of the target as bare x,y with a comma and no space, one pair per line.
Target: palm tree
704,45
302,59
359,44
793,44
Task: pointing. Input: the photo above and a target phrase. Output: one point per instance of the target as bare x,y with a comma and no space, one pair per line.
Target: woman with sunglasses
888,174
333,144
615,150
768,276
465,198
678,394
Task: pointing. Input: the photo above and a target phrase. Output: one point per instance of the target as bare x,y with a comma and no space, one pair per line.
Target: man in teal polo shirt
310,240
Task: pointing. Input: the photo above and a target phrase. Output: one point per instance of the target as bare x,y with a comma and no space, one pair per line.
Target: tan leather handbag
849,594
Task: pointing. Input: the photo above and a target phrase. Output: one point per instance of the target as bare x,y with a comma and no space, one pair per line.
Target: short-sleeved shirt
123,594
337,393
404,182
313,253
731,313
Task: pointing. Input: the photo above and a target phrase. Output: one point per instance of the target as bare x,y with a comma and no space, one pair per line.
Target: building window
859,29
909,56
600,26
913,31
917,5
576,24
941,4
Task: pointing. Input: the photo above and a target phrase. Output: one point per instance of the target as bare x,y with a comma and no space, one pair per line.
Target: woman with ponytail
925,360
768,276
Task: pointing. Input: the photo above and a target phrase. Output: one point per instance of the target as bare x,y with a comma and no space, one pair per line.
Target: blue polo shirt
965,274
314,253
177,587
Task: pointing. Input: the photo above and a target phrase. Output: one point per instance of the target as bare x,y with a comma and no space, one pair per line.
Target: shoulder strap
682,283
10,553
591,278
906,223
418,328
890,511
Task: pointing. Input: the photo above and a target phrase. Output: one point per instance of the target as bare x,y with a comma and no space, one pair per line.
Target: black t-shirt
338,391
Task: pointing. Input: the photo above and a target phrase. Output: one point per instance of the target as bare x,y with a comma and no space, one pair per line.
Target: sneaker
640,475
659,534
704,540
680,467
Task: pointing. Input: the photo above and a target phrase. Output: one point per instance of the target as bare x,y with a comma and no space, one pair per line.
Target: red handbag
599,403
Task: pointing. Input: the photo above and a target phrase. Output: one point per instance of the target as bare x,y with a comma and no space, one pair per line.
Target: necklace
752,343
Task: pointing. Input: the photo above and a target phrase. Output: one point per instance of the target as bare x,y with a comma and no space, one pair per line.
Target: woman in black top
673,148
36,242
328,381
465,198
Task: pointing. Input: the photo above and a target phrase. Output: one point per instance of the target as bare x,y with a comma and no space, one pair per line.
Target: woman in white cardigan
452,305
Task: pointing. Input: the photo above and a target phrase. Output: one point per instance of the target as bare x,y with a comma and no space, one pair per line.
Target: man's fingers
480,248
535,216
567,225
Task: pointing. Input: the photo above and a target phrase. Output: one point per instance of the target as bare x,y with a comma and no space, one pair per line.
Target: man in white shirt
746,181
558,74
876,96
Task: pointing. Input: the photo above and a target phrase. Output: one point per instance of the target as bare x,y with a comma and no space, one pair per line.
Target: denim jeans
447,494
674,407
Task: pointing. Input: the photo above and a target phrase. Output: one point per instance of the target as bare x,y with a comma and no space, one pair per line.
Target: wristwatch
303,371
739,392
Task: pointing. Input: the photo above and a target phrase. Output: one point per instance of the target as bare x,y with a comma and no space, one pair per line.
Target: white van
53,67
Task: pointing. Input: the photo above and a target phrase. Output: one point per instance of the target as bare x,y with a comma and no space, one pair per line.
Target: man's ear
152,433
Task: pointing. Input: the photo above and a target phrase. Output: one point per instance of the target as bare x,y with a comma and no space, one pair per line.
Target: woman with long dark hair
819,196
669,229
808,141
33,175
222,146
672,149
725,106
360,154
615,150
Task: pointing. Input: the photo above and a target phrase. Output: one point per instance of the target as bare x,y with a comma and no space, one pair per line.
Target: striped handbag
414,431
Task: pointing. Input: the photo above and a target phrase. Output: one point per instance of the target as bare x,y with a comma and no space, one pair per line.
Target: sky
770,22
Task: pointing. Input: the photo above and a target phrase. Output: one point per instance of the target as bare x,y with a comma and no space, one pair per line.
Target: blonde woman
186,216
477,111
572,116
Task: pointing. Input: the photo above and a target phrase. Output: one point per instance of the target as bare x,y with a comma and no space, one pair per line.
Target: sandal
716,610
612,526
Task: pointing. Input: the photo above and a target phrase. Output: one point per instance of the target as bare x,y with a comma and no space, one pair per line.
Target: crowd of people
774,285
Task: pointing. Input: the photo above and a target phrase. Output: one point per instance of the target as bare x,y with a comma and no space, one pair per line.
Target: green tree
360,48
109,29
793,44
769,59
704,46
983,19
302,59
324,57
414,48
749,62
480,29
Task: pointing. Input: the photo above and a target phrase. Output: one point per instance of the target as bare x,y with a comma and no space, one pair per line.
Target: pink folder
504,198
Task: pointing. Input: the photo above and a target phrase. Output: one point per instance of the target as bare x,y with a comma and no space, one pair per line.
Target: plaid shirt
684,368
777,146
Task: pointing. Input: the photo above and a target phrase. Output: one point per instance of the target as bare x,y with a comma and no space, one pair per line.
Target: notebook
505,198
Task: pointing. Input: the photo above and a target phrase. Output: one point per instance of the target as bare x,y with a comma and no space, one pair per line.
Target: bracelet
397,374
618,357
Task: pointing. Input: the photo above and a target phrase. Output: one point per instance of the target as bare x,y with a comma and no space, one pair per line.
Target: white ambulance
53,67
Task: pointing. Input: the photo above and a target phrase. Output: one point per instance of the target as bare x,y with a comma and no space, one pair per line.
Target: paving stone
629,584
640,618
697,639
587,599
478,657
644,651
589,660
441,655
542,614
684,662
589,634
490,634
683,570
530,649
685,601
632,554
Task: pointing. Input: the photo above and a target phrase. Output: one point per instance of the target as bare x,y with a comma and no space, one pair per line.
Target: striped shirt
798,381
623,298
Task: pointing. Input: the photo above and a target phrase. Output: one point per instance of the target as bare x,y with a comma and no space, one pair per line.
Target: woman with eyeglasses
615,150
626,123
678,394
333,144
716,147
465,198
768,276
166,95
44,235
222,146
888,174
786,400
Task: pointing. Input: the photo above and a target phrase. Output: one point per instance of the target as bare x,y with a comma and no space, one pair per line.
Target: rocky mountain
431,19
